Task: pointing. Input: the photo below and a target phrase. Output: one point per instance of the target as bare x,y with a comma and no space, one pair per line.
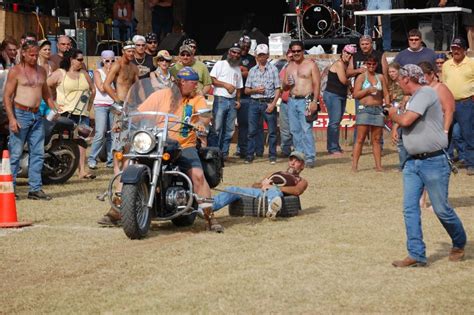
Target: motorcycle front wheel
61,163
135,213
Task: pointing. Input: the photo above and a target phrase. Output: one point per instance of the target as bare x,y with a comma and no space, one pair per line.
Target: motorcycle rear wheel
63,165
136,216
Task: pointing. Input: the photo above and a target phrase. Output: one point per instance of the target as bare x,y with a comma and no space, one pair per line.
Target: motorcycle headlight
143,142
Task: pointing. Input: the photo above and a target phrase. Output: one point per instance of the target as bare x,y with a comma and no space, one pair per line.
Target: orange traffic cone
7,196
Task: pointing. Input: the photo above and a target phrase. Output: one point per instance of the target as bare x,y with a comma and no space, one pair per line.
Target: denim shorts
370,115
189,159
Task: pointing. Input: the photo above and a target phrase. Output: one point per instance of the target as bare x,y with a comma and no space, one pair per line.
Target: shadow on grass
442,252
458,202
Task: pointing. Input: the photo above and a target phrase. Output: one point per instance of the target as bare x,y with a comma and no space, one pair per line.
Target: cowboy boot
212,223
112,217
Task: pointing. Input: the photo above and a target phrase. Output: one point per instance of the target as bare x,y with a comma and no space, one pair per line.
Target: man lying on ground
274,186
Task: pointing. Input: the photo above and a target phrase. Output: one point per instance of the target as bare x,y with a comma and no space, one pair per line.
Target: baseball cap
138,38
245,40
350,49
188,73
186,48
164,54
261,49
235,47
189,41
299,155
459,42
151,37
413,71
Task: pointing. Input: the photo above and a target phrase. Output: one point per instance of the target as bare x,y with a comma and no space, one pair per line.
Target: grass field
335,257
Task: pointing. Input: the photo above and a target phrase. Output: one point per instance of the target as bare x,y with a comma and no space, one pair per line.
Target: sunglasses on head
107,61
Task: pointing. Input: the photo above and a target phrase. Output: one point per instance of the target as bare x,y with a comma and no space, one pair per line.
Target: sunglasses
107,61
185,55
161,60
192,46
414,39
80,59
296,51
370,63
140,45
152,42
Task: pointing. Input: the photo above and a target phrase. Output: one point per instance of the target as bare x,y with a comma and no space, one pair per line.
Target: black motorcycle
61,153
154,186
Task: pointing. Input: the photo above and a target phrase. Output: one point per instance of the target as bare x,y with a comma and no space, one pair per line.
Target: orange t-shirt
160,101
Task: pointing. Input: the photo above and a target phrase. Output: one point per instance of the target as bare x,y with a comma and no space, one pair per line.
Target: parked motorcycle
61,153
154,186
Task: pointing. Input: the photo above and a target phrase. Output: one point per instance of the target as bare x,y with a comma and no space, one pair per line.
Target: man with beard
302,79
186,59
151,48
273,186
24,89
182,101
143,61
64,44
458,75
118,82
227,80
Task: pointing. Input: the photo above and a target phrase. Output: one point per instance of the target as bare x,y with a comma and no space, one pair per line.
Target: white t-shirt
222,71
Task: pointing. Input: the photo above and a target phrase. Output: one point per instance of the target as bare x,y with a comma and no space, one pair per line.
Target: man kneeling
274,186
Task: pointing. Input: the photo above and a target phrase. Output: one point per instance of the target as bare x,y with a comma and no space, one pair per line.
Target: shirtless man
25,86
123,75
302,79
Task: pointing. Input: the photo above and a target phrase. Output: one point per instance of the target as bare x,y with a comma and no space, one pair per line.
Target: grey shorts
370,116
189,159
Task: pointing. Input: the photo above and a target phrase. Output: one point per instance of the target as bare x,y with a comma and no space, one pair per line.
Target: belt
26,108
466,99
423,156
263,100
298,97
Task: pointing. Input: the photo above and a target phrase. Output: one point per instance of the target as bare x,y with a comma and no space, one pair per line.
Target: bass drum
319,19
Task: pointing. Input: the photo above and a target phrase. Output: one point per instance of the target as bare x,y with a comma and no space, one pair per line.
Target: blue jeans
386,27
257,113
224,198
103,122
127,30
457,143
286,141
242,121
301,131
32,132
336,105
433,174
464,115
402,152
224,113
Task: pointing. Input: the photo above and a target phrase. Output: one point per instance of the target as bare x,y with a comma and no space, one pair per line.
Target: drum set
320,19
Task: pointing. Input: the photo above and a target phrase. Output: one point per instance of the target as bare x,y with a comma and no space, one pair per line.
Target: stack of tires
248,206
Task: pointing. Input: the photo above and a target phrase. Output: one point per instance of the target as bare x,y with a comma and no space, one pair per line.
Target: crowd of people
430,101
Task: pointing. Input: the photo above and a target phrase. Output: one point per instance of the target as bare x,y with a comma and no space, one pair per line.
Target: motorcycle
61,153
154,186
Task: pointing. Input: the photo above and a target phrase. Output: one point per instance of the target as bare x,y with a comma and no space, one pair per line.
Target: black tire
184,220
248,206
103,154
136,216
63,163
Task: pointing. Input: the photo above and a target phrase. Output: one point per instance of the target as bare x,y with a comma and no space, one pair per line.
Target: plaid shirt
268,78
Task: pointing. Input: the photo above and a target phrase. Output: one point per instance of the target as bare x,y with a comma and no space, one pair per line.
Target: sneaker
273,161
274,207
38,195
92,166
109,166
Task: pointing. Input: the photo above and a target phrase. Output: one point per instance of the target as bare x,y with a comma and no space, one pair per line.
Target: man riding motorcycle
182,100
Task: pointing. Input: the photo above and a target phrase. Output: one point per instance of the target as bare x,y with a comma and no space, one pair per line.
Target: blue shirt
410,57
267,78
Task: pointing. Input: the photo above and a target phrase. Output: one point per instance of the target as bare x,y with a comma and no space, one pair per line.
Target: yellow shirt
69,91
160,101
459,77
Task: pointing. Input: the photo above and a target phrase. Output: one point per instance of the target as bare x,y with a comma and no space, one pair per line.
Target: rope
261,204
39,23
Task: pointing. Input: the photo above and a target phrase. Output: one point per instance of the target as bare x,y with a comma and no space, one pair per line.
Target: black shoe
17,197
248,160
38,195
